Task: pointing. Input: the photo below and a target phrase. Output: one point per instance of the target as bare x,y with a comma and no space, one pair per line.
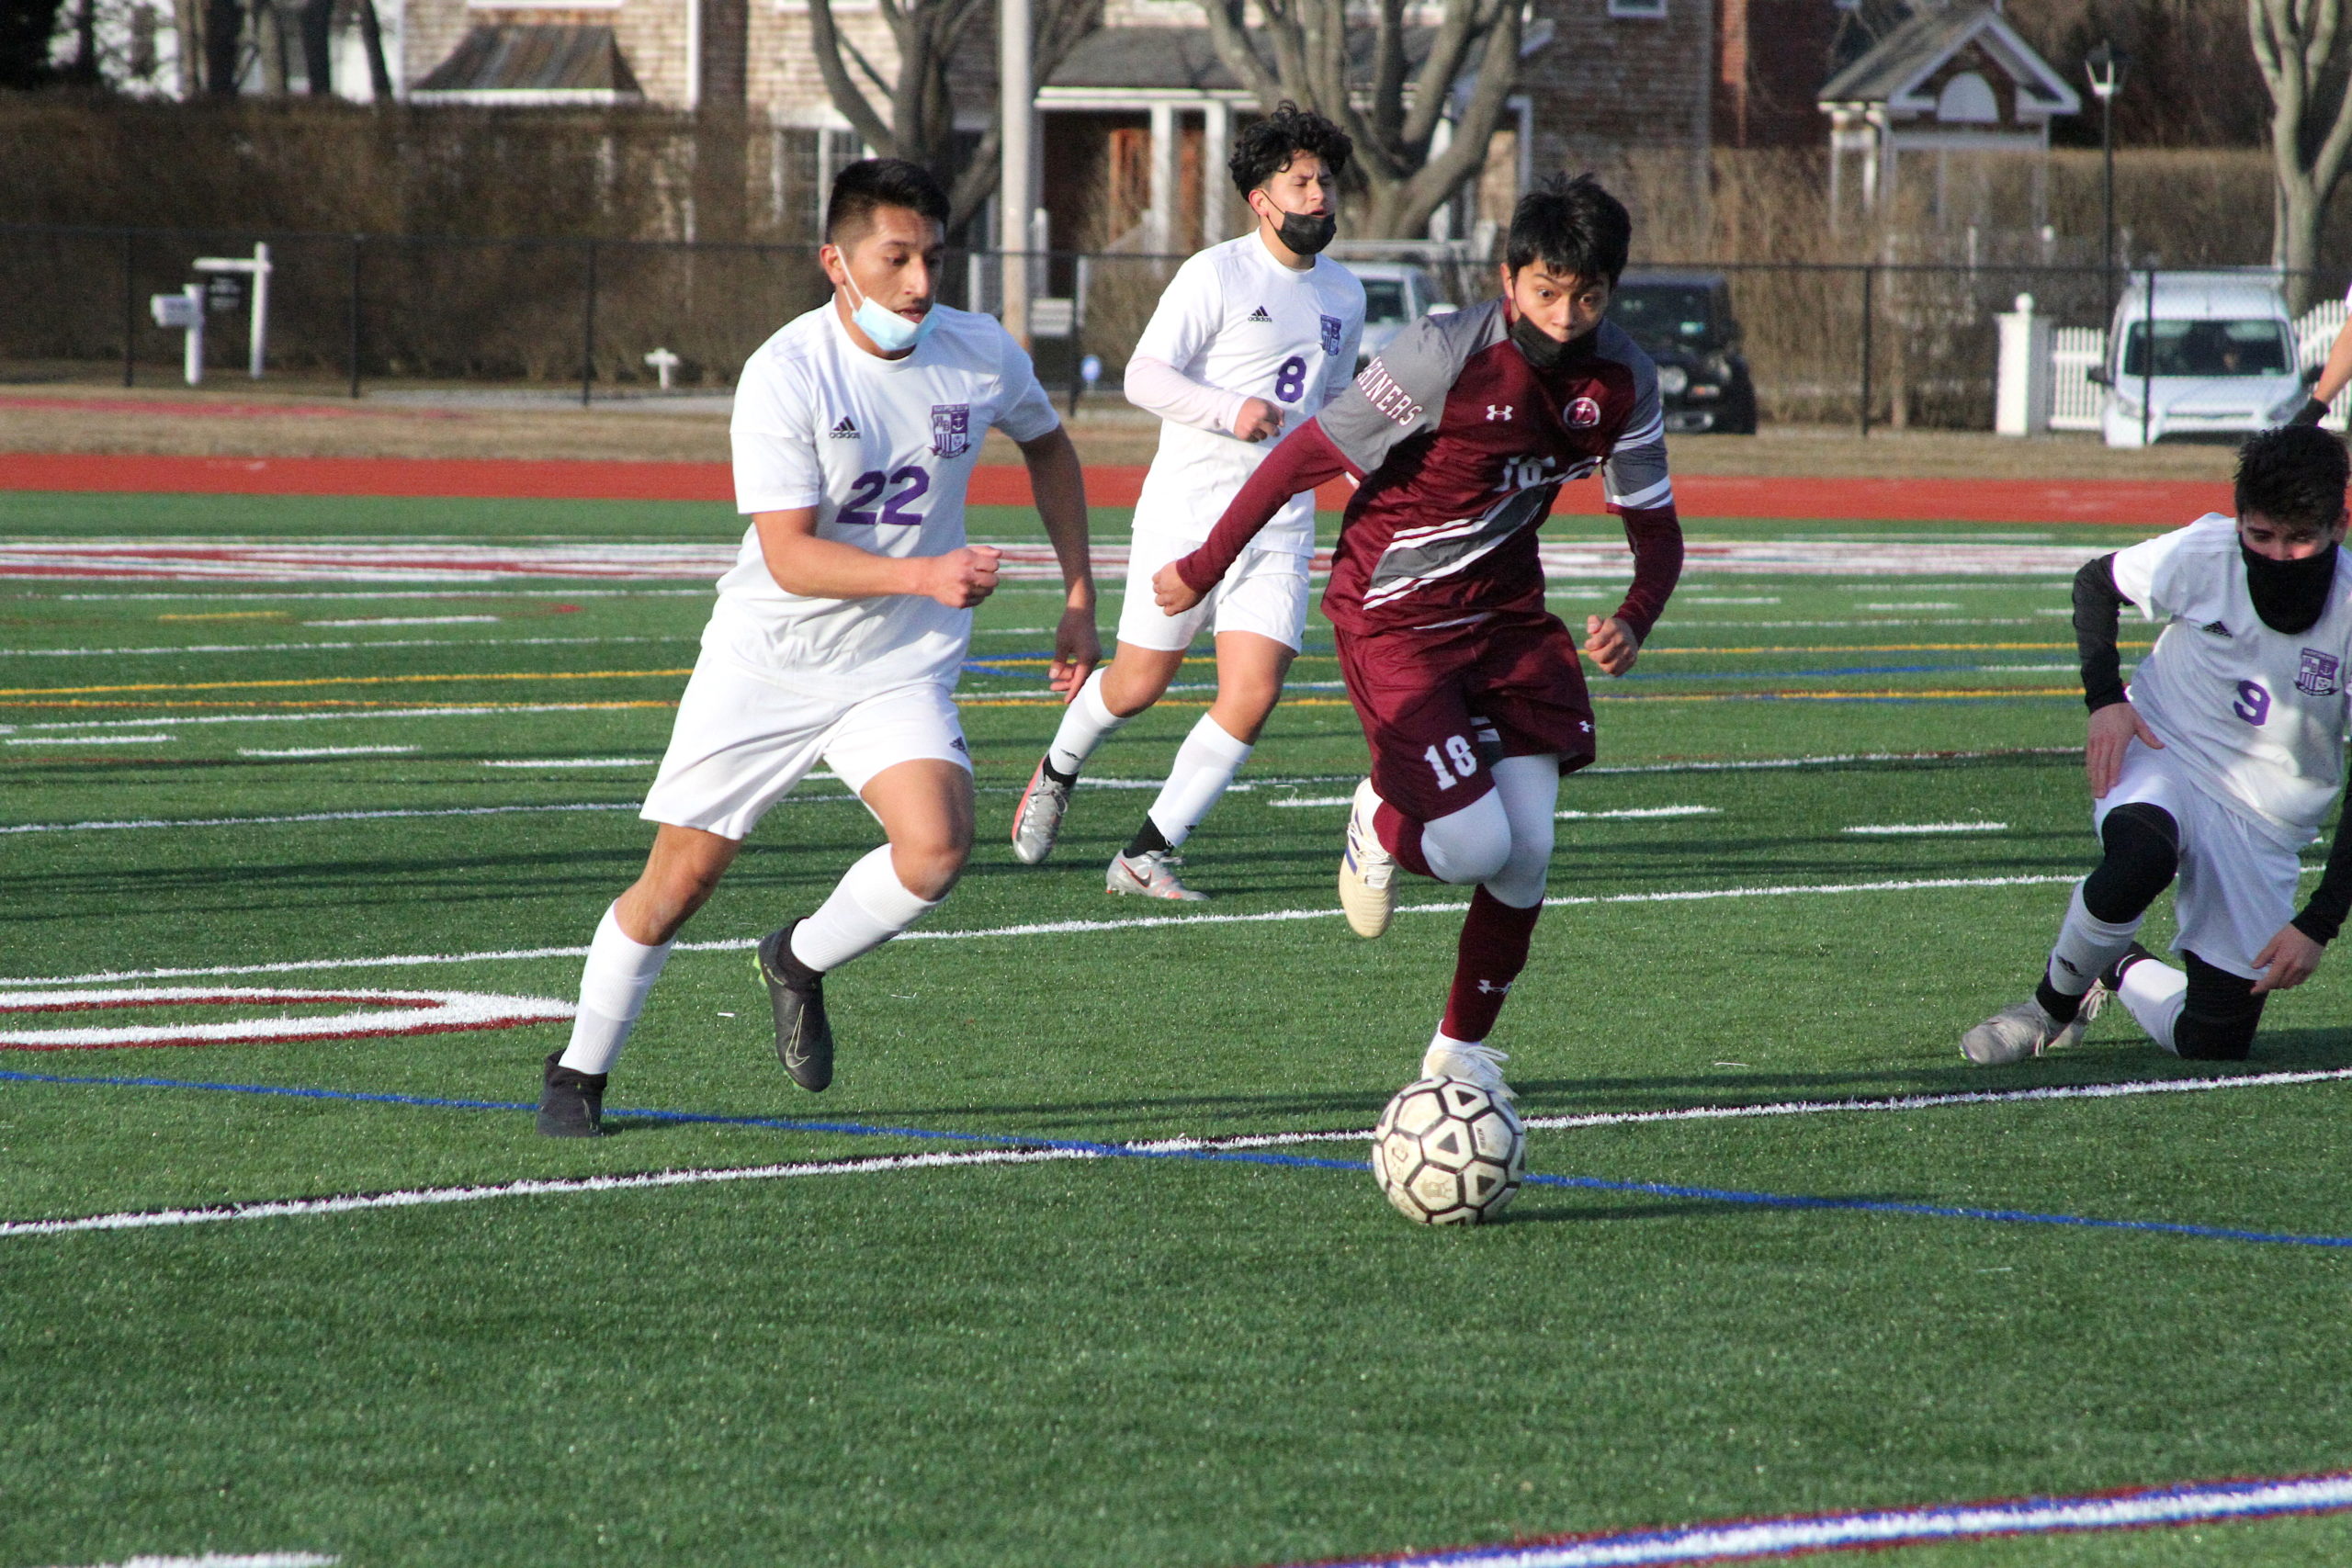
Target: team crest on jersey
2317,676
1330,334
951,429
1583,414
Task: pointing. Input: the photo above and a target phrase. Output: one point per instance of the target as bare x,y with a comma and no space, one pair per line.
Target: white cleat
1038,821
2016,1033
1152,875
1480,1064
1367,872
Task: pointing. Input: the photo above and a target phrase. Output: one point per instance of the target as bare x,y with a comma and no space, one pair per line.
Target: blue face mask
891,332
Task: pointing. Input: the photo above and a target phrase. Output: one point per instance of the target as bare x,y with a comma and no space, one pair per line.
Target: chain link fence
1885,344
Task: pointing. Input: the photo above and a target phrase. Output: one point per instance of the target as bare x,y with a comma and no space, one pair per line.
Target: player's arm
817,567
2333,378
1641,491
2114,722
2288,959
1159,387
1058,485
1304,459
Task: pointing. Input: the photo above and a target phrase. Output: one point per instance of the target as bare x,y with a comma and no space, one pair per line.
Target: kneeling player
2215,768
1469,692
842,629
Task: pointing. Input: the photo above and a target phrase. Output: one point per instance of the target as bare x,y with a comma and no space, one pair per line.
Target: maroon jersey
1459,445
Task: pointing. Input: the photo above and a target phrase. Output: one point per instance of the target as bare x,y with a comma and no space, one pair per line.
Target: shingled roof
1891,71
550,63
1182,59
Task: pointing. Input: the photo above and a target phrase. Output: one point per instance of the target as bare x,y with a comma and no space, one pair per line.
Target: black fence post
130,307
357,241
2148,360
1869,278
588,330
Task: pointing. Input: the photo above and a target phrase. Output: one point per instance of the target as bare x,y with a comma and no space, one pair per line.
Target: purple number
918,485
2253,705
858,511
1290,380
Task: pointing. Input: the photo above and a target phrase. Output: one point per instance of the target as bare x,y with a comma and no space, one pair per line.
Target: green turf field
1096,1353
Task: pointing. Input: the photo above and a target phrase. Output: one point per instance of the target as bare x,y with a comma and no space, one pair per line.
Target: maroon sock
1401,836
1492,952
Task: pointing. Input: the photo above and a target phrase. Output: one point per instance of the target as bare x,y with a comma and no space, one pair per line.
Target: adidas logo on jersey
845,431
1259,314
2215,629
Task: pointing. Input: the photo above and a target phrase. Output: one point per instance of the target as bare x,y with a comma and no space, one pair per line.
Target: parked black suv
1683,320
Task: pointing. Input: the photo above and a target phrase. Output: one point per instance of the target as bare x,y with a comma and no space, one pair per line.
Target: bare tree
2310,124
1390,108
915,119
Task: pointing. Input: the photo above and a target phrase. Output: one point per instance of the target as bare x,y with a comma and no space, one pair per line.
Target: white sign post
258,268
185,310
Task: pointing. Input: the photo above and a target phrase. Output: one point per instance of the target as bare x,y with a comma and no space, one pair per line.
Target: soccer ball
1447,1153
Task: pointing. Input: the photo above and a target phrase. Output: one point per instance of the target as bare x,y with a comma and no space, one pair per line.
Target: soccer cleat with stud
2026,1029
571,1103
1038,821
804,1040
1367,871
1150,876
1480,1064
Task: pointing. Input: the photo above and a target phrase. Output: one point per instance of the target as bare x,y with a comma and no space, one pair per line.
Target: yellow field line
341,681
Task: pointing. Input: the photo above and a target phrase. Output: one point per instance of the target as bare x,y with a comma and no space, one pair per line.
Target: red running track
2146,503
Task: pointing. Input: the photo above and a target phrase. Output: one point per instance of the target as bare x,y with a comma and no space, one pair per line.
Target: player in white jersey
1251,338
840,631
2216,767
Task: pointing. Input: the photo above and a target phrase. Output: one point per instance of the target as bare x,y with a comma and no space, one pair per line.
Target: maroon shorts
1439,707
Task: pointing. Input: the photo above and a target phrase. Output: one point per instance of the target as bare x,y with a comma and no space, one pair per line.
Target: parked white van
2223,358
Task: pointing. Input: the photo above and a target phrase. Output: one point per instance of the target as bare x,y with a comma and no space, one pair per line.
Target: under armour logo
1497,410
1495,988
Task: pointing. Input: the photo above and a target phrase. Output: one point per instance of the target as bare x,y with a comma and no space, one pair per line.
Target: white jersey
2253,716
883,449
1235,318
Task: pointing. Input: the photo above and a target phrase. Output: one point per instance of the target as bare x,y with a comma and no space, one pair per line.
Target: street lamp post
2104,66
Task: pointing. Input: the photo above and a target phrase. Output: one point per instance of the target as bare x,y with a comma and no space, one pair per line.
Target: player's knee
1524,875
2219,1015
927,864
1472,844
2142,843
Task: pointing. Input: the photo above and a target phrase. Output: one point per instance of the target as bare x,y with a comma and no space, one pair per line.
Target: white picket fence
2076,352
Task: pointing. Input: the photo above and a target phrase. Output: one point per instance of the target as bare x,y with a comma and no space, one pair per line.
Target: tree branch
826,43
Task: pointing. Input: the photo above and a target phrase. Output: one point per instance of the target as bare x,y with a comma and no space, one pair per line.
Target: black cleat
804,1041
571,1105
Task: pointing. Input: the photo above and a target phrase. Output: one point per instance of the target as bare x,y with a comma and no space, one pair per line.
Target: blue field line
1236,1157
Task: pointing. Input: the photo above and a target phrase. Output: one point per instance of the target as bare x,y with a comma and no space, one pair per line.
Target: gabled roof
531,64
1891,70
1161,59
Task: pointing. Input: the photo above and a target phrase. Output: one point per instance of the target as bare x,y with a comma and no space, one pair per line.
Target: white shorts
2237,884
741,744
1265,593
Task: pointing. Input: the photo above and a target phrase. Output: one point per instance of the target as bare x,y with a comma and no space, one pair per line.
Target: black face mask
2289,595
1540,348
1305,235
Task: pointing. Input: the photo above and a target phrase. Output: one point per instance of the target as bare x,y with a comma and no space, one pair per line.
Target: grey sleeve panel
1402,393
1634,471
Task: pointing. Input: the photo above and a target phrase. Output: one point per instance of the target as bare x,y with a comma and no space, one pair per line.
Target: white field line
89,740
1633,813
1886,830
195,598
412,621
342,646
1929,604
1896,1103
420,1197
343,715
328,750
571,762
230,1560
1743,1540
1055,928
391,1013
313,817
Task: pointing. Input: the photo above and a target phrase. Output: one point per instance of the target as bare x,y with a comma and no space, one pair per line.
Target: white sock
2086,947
868,908
620,970
1441,1041
1205,766
2155,993
1085,721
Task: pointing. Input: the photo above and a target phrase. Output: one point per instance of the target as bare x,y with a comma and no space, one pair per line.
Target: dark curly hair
2294,476
1573,227
1265,147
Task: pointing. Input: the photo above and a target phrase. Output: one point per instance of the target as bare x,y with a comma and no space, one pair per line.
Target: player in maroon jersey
1459,436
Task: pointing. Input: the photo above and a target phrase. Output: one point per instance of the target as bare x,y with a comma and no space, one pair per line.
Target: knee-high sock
2155,993
613,988
1205,766
1085,721
1468,845
2086,945
1492,951
868,908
